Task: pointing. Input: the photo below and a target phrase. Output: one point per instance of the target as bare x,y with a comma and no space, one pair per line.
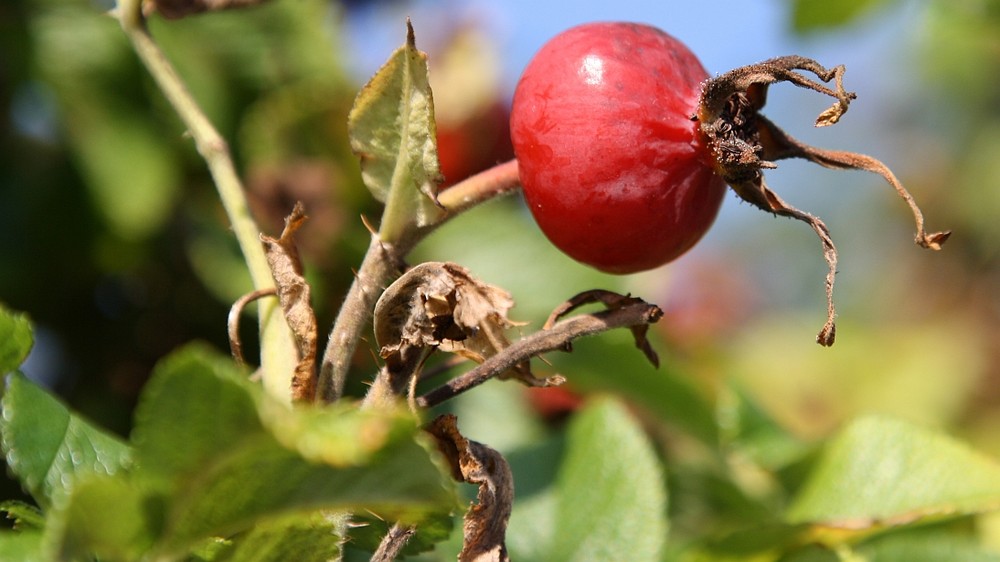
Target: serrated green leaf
612,502
218,457
113,517
22,546
15,339
313,538
816,15
392,130
196,404
881,471
47,447
23,515
662,391
260,480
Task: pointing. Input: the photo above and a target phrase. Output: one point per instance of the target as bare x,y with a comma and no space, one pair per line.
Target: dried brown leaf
294,296
485,526
613,301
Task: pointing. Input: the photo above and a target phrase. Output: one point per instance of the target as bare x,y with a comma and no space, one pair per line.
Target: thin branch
380,266
393,543
277,348
555,338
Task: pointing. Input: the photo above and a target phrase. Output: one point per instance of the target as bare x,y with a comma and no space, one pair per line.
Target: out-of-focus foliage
114,244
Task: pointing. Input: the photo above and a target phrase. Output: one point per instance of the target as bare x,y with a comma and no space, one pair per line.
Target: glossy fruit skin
612,165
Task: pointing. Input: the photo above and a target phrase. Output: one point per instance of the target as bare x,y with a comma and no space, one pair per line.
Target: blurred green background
113,241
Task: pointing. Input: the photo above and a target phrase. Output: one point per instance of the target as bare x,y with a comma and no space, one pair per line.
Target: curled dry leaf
613,301
485,526
438,305
294,296
176,9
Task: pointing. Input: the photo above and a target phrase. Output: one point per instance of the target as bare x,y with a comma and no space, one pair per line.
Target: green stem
278,354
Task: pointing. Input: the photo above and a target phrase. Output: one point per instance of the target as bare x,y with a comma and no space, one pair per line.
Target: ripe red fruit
624,146
612,165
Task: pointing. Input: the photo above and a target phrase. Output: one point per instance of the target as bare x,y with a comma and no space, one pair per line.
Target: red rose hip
612,165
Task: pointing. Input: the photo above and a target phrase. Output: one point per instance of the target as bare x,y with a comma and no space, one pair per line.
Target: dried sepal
294,294
744,143
485,527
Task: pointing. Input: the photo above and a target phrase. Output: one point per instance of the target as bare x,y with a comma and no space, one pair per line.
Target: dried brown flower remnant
442,306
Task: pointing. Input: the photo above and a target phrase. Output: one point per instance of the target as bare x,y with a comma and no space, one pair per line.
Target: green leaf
112,147
313,538
195,405
816,15
15,339
926,545
218,457
885,471
24,516
392,130
115,518
612,502
22,546
47,447
261,480
662,391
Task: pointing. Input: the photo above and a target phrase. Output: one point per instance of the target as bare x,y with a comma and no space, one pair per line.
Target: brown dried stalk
628,313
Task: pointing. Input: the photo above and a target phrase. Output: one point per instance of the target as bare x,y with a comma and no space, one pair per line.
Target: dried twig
556,337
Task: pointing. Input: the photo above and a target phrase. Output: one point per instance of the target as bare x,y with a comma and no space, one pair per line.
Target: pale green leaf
16,339
814,15
392,130
47,447
926,545
195,405
884,471
22,547
130,169
260,480
311,538
612,502
23,515
115,518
